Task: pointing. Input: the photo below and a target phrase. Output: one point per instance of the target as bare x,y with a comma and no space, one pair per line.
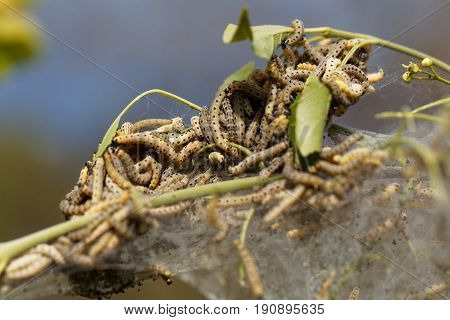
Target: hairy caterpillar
287,202
251,269
258,157
238,103
114,174
149,140
342,147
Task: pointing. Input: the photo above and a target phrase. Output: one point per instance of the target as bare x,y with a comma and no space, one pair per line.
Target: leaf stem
107,139
431,105
332,32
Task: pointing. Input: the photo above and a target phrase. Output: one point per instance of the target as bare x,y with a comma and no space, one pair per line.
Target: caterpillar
292,87
270,105
251,89
149,140
98,179
215,126
306,66
339,96
146,123
145,164
48,251
75,196
334,169
204,119
180,184
214,220
258,196
216,157
289,56
156,173
251,269
354,295
300,177
297,35
287,202
26,267
275,164
168,177
188,150
277,71
266,135
183,138
114,174
200,179
166,211
376,232
324,292
195,123
70,209
250,134
280,125
305,230
258,76
229,120
298,74
112,186
175,125
238,104
125,128
107,241
258,157
330,67
313,53
333,53
376,76
342,147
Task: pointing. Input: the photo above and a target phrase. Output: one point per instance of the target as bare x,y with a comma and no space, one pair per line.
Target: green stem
13,248
402,115
107,139
361,43
431,105
245,151
208,190
332,32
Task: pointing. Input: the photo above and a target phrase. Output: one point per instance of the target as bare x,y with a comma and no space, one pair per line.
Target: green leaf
265,39
240,32
309,113
239,75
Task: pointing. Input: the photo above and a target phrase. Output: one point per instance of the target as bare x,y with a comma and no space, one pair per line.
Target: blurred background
67,68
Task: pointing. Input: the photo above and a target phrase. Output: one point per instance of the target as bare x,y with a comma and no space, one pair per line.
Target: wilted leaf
308,118
240,32
240,75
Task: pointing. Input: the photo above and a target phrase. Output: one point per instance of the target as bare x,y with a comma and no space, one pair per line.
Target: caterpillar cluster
155,156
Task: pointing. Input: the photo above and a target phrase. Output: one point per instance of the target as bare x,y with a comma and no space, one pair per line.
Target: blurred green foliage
18,37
